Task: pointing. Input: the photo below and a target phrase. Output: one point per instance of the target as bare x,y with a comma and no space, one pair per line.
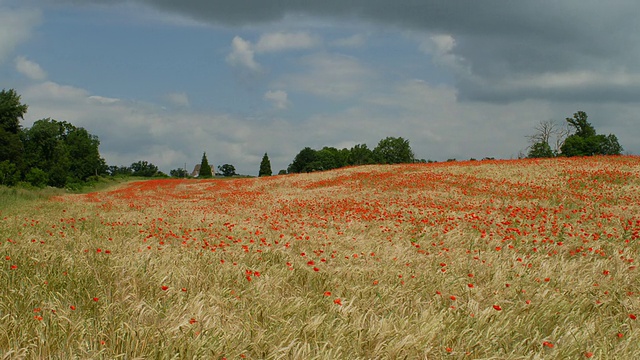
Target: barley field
518,259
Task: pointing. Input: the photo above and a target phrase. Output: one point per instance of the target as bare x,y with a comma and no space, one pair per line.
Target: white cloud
573,79
281,41
353,41
242,54
441,48
243,51
334,76
179,99
15,27
103,99
279,99
30,69
53,91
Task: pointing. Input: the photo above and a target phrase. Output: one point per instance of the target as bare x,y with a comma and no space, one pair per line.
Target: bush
37,178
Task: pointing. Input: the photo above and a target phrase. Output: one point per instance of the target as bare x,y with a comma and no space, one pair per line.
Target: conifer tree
265,166
205,168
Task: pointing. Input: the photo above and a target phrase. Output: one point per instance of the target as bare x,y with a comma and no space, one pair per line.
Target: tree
545,130
393,151
227,170
11,148
205,168
179,173
585,141
360,155
9,174
540,150
85,160
46,149
265,166
119,170
581,125
144,168
329,158
11,111
305,161
609,145
37,178
64,152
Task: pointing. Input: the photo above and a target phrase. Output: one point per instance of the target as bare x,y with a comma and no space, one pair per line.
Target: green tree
11,147
85,159
585,142
360,154
205,168
328,158
582,127
37,178
64,152
305,161
393,151
119,170
179,173
265,166
46,149
11,112
540,150
227,170
144,168
609,145
9,173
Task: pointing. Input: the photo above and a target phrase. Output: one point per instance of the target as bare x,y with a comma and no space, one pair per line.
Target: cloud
499,40
16,26
178,99
441,47
30,69
333,76
278,98
280,41
242,54
130,131
243,51
353,41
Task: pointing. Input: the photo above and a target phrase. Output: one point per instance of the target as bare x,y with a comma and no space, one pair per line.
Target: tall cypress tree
265,166
205,169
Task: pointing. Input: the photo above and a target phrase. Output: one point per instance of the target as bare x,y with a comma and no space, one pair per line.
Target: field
522,259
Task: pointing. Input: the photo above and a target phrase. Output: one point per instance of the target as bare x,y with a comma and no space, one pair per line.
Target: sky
165,81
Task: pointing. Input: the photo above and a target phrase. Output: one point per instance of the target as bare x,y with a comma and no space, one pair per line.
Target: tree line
57,153
578,138
51,152
390,150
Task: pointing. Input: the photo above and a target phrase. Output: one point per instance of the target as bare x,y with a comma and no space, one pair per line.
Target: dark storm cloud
498,41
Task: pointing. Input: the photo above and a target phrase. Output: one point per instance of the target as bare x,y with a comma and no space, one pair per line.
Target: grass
469,260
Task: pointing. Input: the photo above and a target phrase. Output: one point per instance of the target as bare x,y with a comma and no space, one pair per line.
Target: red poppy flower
497,307
165,287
